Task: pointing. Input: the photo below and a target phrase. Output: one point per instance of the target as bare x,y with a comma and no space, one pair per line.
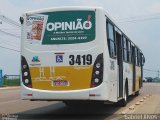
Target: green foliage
11,82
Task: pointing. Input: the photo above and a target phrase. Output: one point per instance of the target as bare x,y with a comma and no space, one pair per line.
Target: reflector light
29,95
98,65
26,77
97,72
92,94
26,81
24,66
25,73
96,80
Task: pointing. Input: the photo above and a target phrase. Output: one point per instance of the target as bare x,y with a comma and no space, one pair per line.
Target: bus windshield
61,27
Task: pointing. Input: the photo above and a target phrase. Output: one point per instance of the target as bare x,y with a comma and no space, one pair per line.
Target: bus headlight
97,73
26,77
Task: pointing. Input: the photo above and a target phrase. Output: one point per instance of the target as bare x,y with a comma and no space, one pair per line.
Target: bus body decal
78,77
61,27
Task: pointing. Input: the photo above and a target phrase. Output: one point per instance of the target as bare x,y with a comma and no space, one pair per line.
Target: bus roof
64,8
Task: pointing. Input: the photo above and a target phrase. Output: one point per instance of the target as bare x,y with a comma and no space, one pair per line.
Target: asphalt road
10,103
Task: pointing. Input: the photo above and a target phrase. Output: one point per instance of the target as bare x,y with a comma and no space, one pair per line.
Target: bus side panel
138,77
112,81
110,70
127,75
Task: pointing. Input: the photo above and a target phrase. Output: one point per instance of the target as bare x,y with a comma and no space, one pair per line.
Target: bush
11,82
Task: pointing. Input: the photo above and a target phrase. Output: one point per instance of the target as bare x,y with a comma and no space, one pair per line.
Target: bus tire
123,102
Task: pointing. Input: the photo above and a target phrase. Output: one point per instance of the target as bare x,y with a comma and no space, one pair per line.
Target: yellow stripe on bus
138,77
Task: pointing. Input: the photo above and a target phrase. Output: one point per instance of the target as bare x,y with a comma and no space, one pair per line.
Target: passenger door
118,37
134,68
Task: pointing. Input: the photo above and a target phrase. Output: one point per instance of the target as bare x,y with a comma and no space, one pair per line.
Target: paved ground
152,104
10,103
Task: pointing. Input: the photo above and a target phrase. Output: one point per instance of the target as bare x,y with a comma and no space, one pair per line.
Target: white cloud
9,10
155,8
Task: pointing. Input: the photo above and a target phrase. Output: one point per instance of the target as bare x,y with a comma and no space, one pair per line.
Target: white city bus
77,54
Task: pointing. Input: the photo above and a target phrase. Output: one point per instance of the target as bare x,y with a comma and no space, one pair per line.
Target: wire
7,33
150,70
2,28
10,21
13,45
138,20
7,41
140,16
9,48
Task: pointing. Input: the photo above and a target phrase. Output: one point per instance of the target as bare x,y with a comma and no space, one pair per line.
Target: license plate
60,83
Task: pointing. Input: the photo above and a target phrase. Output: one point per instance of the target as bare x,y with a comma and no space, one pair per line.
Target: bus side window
139,58
136,56
134,59
124,49
111,40
128,51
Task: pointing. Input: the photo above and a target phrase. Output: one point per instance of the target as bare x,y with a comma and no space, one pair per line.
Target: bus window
124,49
111,40
141,59
128,51
132,53
136,56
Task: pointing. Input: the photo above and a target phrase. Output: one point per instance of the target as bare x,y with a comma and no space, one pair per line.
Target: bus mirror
143,60
114,56
21,20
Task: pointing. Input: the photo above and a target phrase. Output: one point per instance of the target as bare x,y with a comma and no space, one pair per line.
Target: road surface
148,102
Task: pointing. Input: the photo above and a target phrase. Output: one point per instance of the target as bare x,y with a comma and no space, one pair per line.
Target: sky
140,19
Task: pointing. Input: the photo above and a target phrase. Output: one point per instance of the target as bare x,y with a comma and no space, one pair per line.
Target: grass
11,82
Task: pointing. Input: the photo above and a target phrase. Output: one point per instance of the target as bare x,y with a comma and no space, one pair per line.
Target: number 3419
80,59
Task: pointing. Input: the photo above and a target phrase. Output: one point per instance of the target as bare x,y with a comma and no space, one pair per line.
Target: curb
130,109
